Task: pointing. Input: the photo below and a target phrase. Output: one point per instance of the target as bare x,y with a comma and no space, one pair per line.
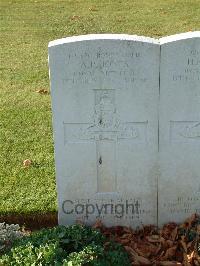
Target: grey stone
126,119
179,127
104,99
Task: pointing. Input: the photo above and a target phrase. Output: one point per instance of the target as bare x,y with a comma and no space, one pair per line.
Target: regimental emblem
191,131
105,111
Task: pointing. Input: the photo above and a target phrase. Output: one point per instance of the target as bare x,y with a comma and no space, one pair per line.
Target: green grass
25,116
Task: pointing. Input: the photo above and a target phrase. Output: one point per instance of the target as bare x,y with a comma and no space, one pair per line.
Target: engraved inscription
183,205
184,131
87,77
103,65
102,54
191,70
106,132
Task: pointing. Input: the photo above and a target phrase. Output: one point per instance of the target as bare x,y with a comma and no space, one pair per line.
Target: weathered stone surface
179,127
105,91
126,127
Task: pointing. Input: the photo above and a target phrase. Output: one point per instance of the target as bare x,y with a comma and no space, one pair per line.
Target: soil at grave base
31,222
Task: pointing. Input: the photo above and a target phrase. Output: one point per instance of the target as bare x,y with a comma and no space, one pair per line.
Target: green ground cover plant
68,246
25,115
173,244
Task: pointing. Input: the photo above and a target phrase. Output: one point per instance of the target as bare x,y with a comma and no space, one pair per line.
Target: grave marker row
126,118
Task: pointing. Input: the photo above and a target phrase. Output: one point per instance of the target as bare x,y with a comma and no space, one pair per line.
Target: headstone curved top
179,37
91,37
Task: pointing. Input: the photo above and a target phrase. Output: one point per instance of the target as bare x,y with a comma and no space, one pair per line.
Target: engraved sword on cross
106,127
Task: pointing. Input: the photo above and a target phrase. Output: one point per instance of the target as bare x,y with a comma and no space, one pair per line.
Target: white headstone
105,91
179,127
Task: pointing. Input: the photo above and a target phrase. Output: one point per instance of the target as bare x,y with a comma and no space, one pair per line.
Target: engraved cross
106,131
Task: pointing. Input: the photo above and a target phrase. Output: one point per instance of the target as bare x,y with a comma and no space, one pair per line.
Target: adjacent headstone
179,127
105,91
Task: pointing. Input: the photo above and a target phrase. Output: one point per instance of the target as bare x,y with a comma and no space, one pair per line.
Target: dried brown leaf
153,238
130,250
169,263
189,221
174,233
42,91
184,245
191,256
75,17
170,243
27,163
168,229
198,229
186,261
98,224
126,236
143,260
93,9
128,230
123,241
170,253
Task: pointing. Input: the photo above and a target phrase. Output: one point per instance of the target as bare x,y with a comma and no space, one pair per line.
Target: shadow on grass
31,222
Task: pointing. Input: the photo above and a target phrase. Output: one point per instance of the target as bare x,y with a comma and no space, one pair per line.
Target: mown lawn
25,115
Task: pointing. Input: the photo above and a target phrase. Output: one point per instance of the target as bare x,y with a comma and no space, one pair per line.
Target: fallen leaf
75,17
170,243
190,256
143,261
198,229
170,253
126,235
189,221
186,260
154,238
183,244
169,263
130,251
174,233
27,163
98,224
123,241
128,230
42,91
92,9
